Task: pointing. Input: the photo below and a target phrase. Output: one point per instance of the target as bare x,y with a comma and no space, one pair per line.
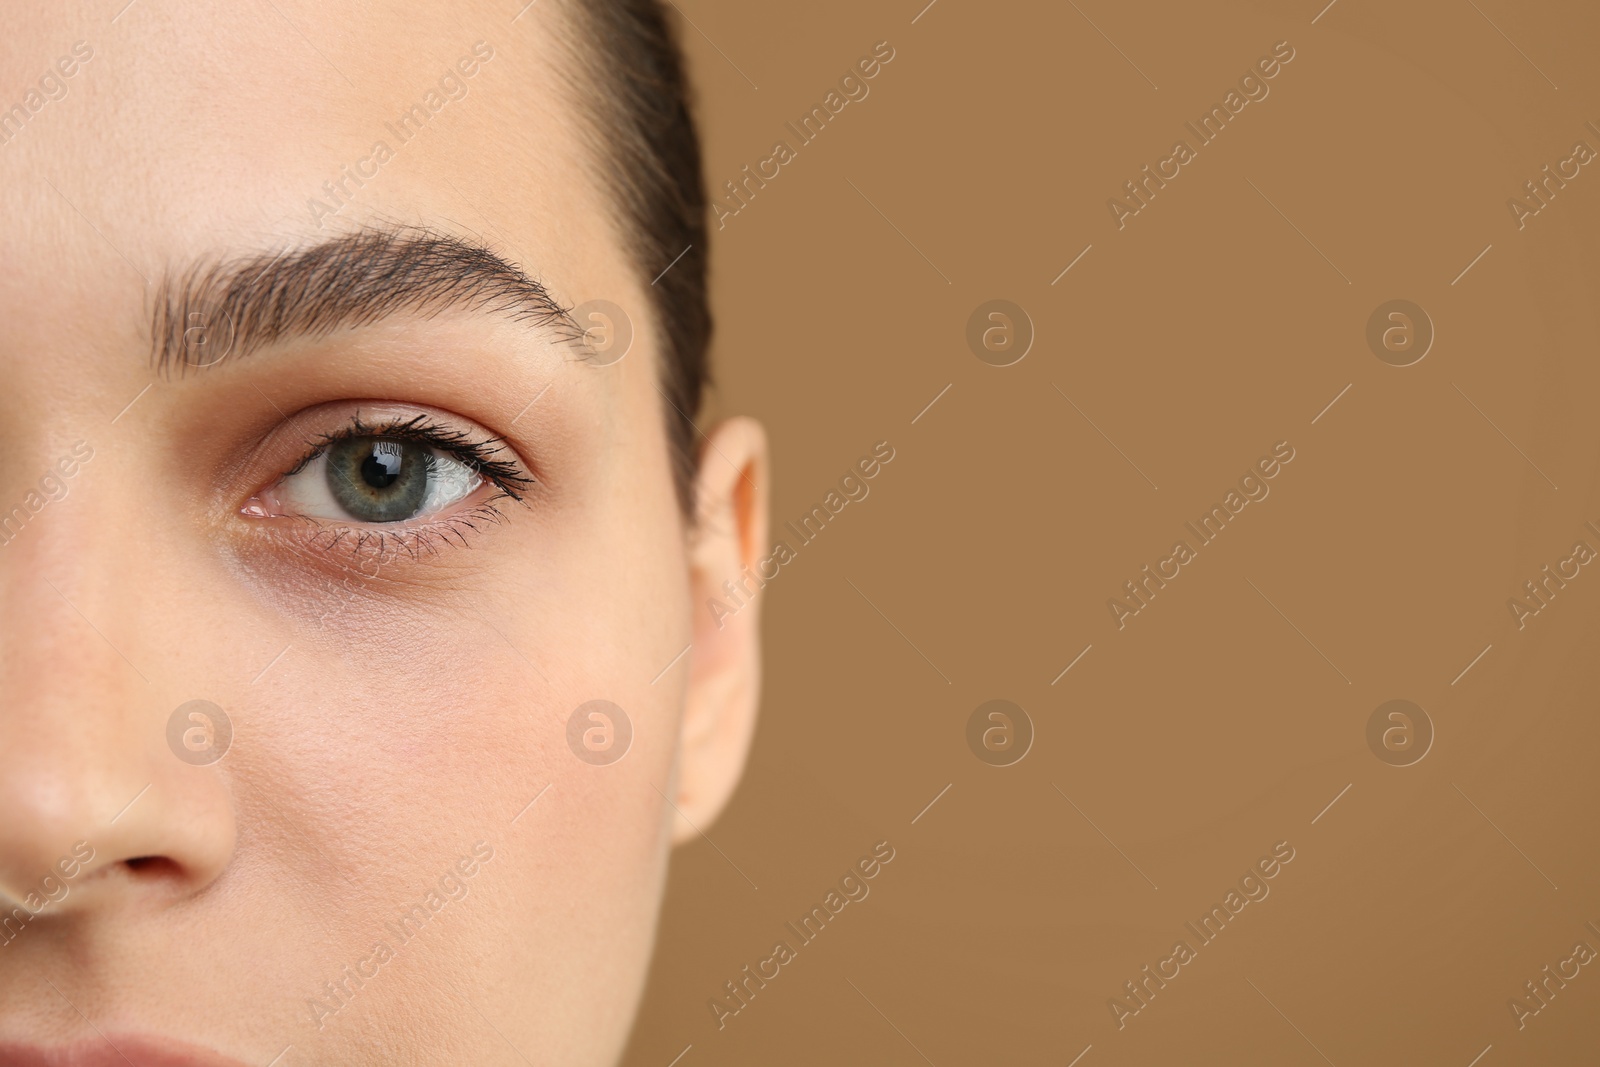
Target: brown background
1212,726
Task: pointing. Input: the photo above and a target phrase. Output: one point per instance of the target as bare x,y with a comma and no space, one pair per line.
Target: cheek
431,729
447,720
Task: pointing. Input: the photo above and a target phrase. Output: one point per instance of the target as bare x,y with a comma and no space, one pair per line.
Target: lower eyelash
362,543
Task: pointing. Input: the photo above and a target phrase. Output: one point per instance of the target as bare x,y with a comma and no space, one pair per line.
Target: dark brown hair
649,154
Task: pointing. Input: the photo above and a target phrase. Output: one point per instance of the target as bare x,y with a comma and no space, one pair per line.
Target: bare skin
398,691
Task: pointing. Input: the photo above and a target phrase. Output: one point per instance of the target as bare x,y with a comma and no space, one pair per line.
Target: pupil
382,467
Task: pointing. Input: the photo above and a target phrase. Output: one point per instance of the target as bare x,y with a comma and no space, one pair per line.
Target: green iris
379,479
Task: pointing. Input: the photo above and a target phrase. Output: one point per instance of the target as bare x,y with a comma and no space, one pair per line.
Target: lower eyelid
360,546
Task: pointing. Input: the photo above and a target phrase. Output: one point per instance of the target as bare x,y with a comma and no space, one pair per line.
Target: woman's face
379,510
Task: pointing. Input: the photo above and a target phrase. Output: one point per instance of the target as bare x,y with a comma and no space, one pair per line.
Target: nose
97,810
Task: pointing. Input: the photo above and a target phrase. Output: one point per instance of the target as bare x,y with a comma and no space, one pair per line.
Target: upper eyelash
479,455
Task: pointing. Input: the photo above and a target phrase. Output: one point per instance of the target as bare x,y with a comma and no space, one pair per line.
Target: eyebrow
256,300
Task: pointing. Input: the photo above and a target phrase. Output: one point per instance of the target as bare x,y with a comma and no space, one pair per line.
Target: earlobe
728,541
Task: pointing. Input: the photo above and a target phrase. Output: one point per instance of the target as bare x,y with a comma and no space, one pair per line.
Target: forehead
171,131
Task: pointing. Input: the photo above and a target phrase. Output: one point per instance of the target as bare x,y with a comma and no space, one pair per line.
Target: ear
727,543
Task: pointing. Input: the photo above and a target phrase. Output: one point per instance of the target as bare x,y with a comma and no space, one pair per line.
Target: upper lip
113,1051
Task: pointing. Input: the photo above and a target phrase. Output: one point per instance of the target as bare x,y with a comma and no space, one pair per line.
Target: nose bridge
63,568
69,737
87,782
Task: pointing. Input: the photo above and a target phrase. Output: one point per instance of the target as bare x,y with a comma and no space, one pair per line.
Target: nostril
151,865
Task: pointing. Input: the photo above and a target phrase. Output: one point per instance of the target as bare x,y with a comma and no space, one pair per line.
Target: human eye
408,478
